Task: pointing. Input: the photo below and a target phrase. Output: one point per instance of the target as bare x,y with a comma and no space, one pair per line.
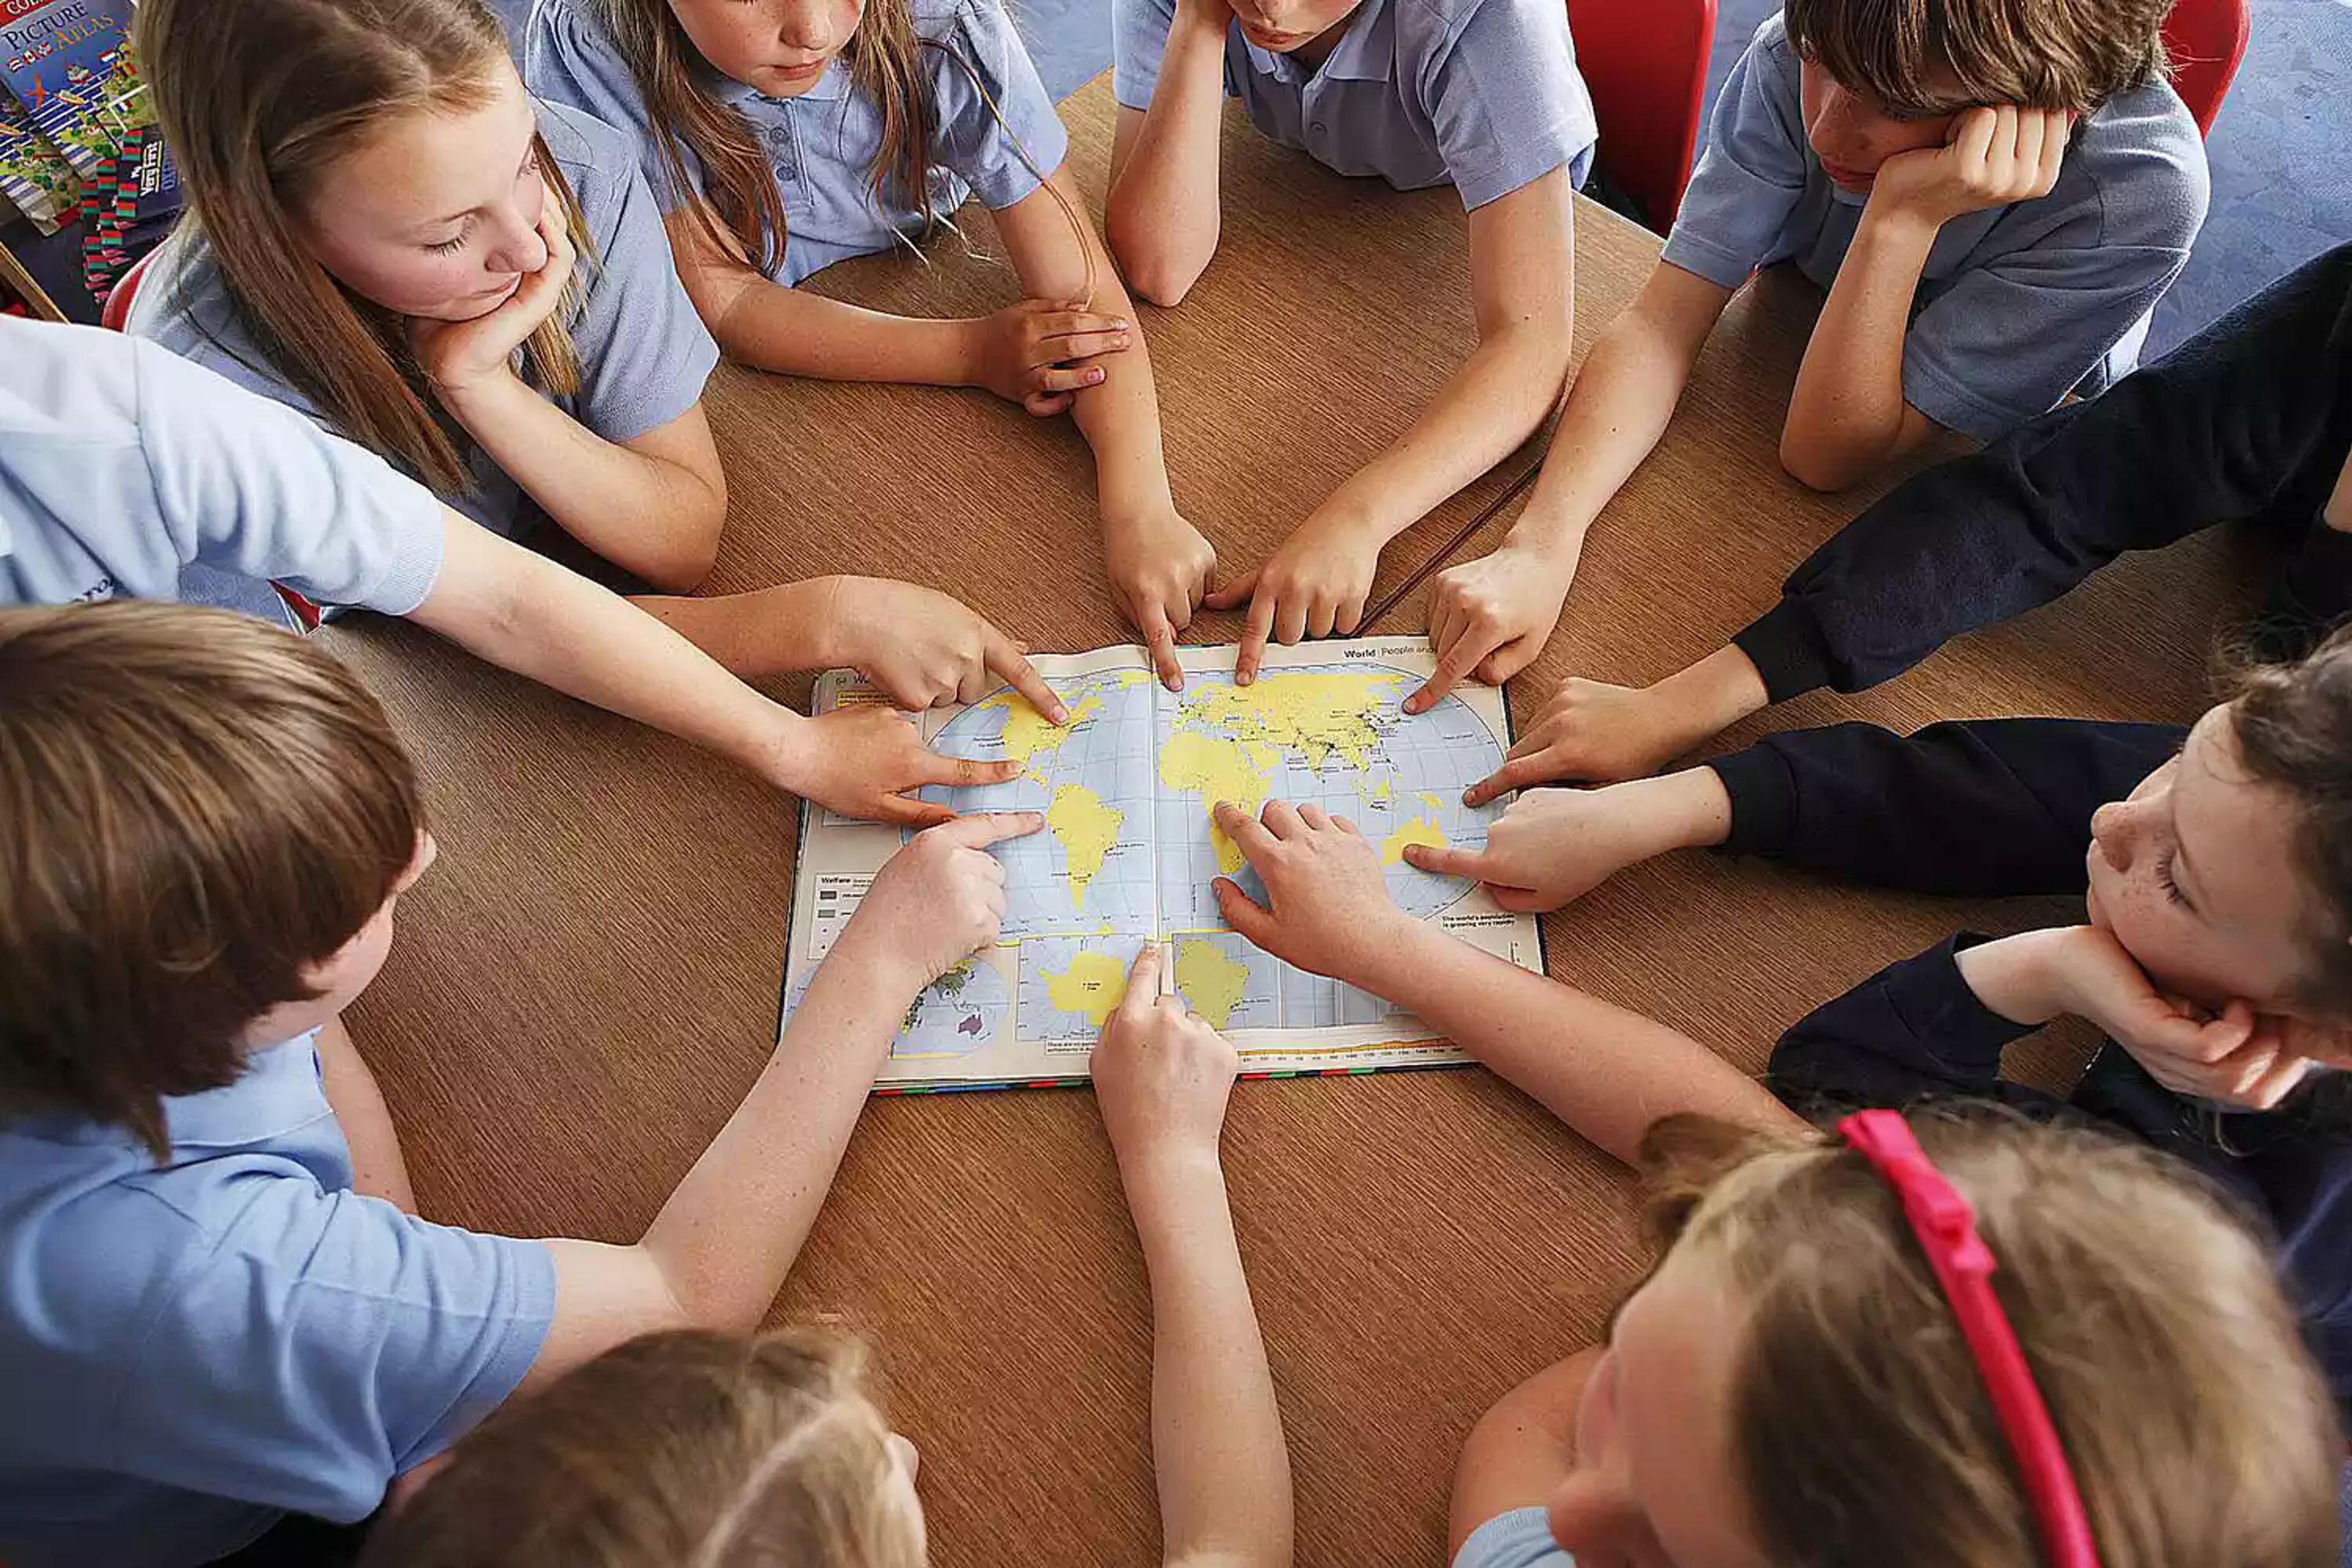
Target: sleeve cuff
1785,645
1763,801
1518,1538
1705,258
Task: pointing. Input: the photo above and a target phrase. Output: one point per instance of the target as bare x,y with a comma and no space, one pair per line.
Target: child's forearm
769,326
1618,408
1606,1072
728,1234
650,517
379,1170
1484,410
1163,214
1120,417
525,613
1217,1443
767,631
1847,414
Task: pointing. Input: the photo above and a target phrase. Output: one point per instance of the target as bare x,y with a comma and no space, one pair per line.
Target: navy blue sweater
1995,808
2249,419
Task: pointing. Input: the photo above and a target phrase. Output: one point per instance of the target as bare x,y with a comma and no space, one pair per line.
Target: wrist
2024,978
965,339
818,606
1685,810
1900,225
1545,546
1720,690
1393,944
478,395
1162,1164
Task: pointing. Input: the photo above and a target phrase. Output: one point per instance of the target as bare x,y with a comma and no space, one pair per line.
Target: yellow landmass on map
1420,830
1209,982
1312,711
1089,988
1430,800
1027,733
1086,829
1219,769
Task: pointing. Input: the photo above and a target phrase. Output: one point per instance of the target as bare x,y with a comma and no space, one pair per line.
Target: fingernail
1093,377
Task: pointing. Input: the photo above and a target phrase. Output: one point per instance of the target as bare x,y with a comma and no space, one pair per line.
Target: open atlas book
1128,853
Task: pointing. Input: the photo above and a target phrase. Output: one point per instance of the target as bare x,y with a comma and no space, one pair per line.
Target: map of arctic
1126,786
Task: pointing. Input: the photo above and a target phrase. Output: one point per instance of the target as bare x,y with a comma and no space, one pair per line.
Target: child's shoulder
183,307
2141,160
1446,19
950,21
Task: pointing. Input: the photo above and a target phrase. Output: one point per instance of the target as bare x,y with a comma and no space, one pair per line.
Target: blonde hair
686,1450
2198,1429
194,808
258,100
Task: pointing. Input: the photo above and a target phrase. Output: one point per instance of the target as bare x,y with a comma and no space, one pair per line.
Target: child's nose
2111,831
521,250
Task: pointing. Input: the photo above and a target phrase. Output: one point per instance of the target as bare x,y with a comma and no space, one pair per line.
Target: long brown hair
194,808
258,100
2197,1426
739,206
685,1450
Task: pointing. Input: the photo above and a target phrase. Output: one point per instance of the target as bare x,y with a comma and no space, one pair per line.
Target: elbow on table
687,555
1813,464
1142,251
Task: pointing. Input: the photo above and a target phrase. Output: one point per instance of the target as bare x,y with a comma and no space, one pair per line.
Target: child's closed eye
2167,882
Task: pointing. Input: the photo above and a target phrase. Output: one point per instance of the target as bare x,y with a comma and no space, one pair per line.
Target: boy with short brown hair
1994,192
211,1287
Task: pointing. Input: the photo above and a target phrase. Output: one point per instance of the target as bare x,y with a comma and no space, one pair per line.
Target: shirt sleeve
1751,172
325,1343
2251,415
250,486
1138,35
1004,151
569,58
1914,1030
644,354
1866,805
1505,98
1519,1539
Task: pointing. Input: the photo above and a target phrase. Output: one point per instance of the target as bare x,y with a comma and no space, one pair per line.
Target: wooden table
588,981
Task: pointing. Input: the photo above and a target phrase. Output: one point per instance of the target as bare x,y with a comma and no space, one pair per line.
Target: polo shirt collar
1365,52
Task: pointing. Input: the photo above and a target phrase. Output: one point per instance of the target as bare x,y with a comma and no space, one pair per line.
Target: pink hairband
1947,1228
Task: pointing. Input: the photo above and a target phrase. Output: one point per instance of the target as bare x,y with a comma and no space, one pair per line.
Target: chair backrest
1645,62
2207,39
116,311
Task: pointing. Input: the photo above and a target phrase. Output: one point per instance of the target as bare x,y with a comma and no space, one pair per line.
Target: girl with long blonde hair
389,234
780,136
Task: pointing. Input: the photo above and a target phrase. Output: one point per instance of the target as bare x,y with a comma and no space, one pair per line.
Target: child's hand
1161,1076
860,761
1328,906
1992,157
1158,566
1490,618
458,356
1314,585
1593,732
1040,354
924,648
1553,846
937,900
2236,1057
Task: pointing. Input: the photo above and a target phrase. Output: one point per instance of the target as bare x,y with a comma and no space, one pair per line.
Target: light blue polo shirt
822,143
2017,305
1519,1539
1482,95
190,1351
644,352
125,471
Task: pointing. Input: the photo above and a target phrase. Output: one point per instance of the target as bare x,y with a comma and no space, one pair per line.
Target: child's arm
1162,1078
1158,563
1552,847
717,1251
378,1168
520,610
1848,415
1522,286
1618,407
1029,352
652,506
1163,214
1606,1072
1520,1450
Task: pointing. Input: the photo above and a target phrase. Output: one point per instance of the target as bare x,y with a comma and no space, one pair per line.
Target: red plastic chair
1644,63
2207,41
116,311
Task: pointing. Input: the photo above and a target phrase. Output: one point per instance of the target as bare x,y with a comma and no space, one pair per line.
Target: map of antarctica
1126,786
